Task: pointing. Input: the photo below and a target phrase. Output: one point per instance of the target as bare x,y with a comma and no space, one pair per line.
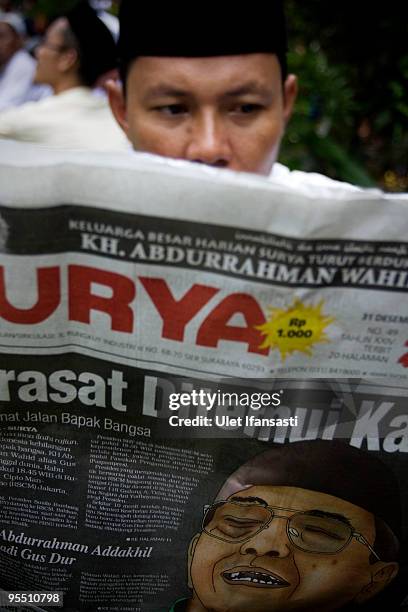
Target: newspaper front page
163,325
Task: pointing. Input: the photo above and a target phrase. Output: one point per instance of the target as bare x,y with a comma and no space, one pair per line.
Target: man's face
50,54
267,571
9,43
227,112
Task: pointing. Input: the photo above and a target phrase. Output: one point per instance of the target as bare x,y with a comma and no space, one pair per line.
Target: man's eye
172,109
321,532
237,527
241,521
247,109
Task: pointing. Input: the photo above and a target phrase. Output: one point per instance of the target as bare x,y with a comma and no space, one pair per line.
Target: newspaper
162,324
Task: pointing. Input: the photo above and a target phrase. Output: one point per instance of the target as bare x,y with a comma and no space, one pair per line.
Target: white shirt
74,119
16,81
297,178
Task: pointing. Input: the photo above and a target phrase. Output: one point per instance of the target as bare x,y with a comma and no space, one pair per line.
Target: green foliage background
351,118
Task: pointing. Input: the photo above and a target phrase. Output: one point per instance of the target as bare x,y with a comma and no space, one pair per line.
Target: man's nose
272,541
209,142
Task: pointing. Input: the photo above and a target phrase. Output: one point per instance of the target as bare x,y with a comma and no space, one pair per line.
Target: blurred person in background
102,8
17,67
77,51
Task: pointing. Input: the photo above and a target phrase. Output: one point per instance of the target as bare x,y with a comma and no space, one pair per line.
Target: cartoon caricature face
285,548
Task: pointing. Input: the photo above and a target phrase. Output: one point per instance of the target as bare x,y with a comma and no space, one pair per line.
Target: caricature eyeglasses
312,531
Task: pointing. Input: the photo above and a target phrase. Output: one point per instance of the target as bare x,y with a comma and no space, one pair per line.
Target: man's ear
117,103
68,60
379,580
290,90
191,550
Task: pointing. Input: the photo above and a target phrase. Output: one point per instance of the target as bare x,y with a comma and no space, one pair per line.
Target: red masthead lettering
216,328
176,313
82,301
49,296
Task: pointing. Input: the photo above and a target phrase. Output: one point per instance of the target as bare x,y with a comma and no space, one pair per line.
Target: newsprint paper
203,388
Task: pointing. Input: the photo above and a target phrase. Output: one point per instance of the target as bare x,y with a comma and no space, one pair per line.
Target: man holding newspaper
127,281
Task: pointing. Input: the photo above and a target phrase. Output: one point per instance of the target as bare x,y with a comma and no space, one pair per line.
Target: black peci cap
97,47
168,31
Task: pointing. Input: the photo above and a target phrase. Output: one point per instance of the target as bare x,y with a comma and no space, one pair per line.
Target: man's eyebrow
164,90
249,500
251,87
333,515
